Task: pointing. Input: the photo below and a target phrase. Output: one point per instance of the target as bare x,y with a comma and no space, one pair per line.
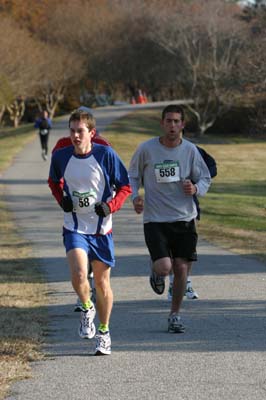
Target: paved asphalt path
222,355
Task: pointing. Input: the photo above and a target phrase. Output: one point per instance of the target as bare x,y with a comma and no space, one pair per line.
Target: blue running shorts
98,247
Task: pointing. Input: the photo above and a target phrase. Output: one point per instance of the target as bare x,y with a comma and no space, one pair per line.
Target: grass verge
22,300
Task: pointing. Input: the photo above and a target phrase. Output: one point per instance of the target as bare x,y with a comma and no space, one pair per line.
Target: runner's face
172,125
80,136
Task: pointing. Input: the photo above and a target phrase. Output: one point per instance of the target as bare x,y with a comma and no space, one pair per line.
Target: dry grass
237,240
12,141
22,311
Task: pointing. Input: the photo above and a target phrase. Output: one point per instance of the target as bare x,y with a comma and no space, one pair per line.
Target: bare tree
116,46
6,95
31,68
58,69
18,70
206,39
254,59
253,64
100,44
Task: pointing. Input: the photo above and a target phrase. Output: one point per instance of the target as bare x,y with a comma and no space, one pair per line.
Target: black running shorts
171,239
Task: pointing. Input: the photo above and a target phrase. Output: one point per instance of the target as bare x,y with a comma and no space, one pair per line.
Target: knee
162,267
79,277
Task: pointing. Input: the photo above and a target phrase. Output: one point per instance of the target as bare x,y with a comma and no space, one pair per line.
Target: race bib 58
83,202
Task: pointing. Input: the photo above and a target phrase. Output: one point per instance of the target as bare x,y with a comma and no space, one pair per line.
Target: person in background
44,124
190,293
172,171
82,179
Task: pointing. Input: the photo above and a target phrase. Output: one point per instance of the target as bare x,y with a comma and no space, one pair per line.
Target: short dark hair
174,108
80,115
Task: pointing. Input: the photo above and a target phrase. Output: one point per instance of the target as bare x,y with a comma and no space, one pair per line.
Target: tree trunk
52,99
2,111
16,111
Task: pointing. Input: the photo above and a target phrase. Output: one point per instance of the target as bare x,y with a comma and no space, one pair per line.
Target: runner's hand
67,204
102,209
138,204
189,188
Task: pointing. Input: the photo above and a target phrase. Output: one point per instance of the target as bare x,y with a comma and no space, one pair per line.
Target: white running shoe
174,324
87,328
190,293
103,344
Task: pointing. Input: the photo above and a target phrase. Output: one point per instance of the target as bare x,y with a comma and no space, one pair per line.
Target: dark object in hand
67,204
102,209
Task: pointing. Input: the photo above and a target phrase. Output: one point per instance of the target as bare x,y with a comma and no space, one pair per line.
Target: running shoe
157,282
190,293
174,324
87,328
103,344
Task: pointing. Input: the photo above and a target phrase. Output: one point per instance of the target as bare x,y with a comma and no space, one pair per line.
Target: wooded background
57,54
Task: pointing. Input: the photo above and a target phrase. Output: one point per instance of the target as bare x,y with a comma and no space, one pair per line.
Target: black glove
67,204
102,209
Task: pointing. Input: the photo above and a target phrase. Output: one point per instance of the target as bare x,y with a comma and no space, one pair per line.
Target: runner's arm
135,185
120,197
56,189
